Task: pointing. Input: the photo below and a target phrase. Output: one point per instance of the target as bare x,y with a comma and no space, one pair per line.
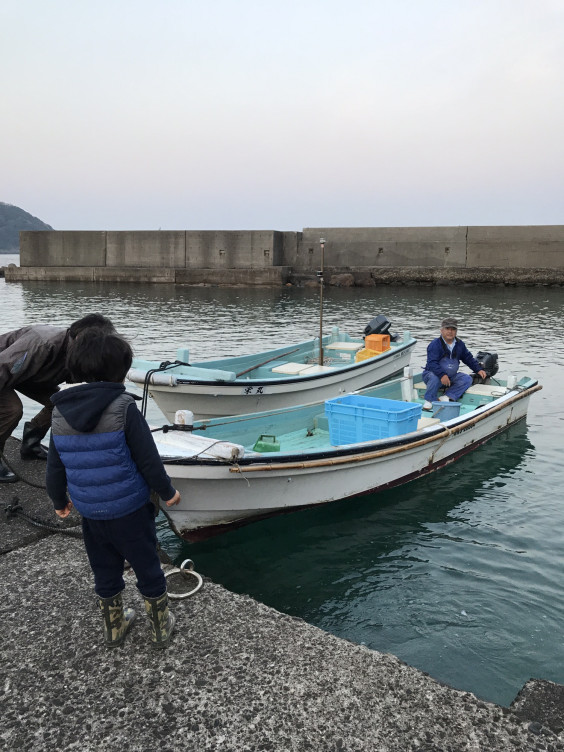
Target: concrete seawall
524,255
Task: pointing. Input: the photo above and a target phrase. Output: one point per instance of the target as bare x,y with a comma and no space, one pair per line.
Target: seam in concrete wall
466,249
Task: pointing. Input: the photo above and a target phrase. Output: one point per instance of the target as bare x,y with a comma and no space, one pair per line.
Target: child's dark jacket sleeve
145,454
56,478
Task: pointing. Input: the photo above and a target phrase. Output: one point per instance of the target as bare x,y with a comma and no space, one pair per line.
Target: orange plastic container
377,342
365,354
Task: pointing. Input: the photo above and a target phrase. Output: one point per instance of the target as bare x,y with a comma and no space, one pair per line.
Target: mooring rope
164,366
15,509
18,476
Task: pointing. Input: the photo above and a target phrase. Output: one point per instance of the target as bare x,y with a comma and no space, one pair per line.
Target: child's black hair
90,320
99,355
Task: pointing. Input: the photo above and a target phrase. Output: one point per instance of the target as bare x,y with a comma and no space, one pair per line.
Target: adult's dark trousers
109,543
11,409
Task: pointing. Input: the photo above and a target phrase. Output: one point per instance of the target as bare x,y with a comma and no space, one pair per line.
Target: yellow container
378,342
365,354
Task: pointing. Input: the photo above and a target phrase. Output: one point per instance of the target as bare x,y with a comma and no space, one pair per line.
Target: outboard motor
380,325
488,361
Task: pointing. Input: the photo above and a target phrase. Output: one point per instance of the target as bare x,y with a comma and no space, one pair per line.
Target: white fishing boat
233,470
293,375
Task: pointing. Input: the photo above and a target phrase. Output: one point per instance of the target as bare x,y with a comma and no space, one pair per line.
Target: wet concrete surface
238,676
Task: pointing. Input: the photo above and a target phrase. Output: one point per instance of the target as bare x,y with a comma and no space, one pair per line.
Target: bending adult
443,360
33,363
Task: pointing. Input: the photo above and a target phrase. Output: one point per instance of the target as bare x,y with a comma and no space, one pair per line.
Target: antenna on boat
320,275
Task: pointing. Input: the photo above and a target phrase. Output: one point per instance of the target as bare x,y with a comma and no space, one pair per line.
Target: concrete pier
353,256
238,676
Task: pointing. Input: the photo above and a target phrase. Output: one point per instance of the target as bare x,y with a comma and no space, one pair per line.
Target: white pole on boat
320,275
407,384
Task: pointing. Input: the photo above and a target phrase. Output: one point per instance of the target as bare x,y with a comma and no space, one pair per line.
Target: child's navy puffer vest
103,480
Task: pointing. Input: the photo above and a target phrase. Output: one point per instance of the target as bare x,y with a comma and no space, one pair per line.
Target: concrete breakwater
527,255
237,676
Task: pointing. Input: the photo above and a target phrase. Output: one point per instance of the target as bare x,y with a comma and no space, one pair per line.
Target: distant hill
12,220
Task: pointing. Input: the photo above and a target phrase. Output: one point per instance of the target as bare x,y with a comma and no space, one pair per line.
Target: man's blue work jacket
438,350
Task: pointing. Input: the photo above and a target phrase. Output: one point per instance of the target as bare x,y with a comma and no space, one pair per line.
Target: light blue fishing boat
232,470
292,375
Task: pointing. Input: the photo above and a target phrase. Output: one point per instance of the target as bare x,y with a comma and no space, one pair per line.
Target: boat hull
210,400
216,495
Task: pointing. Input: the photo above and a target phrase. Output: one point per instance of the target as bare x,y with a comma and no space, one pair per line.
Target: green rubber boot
162,621
117,620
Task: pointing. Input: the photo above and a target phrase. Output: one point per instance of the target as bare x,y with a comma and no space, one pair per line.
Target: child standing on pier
103,451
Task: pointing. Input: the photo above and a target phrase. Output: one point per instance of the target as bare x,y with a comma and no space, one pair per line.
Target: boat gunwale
359,452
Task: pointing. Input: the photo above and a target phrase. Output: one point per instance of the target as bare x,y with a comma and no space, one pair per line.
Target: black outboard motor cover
488,361
380,325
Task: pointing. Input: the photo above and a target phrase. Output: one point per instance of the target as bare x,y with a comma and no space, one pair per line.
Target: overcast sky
282,114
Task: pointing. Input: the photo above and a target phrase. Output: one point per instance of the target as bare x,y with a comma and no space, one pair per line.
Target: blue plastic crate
353,418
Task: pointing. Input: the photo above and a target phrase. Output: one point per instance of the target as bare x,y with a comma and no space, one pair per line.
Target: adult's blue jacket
102,449
437,350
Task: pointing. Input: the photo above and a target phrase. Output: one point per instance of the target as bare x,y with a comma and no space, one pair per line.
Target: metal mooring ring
185,569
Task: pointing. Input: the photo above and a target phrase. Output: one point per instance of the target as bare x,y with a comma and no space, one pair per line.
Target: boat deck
335,355
316,435
304,429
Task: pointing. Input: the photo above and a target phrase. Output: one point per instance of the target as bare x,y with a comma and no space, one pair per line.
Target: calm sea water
459,573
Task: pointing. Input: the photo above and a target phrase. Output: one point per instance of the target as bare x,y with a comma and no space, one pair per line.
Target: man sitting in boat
32,362
443,359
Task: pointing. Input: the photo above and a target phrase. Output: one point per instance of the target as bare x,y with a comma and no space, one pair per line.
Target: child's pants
133,537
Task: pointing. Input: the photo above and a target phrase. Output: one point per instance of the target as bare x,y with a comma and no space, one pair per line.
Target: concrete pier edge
239,676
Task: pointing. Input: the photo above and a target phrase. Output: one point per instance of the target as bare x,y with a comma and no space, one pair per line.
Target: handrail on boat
386,452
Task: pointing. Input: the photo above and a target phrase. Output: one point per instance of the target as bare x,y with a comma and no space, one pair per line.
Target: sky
240,114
